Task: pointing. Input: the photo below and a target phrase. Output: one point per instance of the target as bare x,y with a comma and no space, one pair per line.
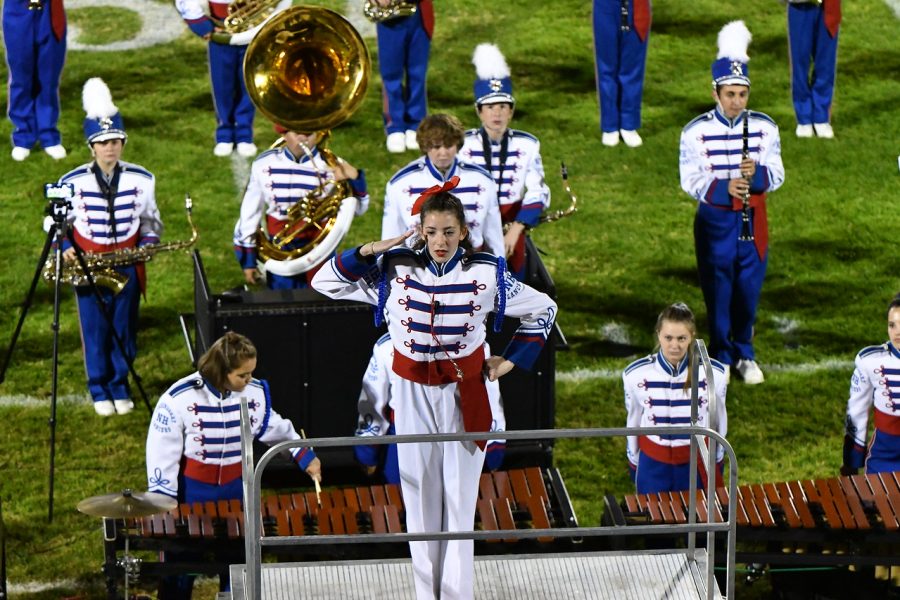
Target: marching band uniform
655,396
108,215
813,27
35,40
476,190
234,109
731,269
435,315
875,383
404,44
278,180
376,414
514,161
621,35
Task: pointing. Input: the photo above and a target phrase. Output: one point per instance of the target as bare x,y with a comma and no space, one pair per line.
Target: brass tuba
307,69
244,15
394,10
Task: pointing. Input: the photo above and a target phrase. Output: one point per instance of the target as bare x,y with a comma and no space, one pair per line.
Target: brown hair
440,130
445,202
226,354
680,313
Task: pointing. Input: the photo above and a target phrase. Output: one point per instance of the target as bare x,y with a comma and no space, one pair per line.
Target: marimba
528,498
841,520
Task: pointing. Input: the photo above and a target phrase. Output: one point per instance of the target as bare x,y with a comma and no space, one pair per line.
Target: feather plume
489,62
97,99
734,39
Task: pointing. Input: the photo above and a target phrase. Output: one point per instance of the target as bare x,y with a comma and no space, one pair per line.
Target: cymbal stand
130,565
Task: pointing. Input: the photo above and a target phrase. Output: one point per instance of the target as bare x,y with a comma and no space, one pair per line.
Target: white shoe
105,408
824,130
631,138
750,371
396,142
56,152
19,153
804,131
123,407
610,138
246,149
411,142
223,149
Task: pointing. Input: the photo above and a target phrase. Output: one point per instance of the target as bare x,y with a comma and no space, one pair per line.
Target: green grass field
626,254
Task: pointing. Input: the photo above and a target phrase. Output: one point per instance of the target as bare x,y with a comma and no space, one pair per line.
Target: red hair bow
435,189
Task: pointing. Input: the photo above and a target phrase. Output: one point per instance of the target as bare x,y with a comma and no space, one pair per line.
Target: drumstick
315,481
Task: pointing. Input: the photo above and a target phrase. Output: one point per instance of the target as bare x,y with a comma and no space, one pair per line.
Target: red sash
832,10
57,18
760,221
642,18
426,9
476,408
516,260
212,474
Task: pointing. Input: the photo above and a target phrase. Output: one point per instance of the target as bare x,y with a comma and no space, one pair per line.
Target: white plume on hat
489,62
734,38
97,99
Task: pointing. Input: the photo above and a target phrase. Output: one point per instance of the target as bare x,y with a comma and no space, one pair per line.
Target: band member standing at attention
813,27
441,136
875,387
437,298
658,394
376,415
194,440
279,179
234,109
512,157
34,33
404,44
730,159
621,35
114,207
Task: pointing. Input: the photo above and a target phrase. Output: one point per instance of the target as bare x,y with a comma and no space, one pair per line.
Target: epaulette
78,172
384,338
522,134
136,169
472,132
641,362
256,383
194,383
762,116
717,365
268,152
872,350
707,116
467,166
485,258
401,251
410,168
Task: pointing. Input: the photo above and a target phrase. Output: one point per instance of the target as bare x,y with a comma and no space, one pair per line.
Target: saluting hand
376,248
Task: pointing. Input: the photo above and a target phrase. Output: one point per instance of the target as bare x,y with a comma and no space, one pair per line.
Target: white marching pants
440,488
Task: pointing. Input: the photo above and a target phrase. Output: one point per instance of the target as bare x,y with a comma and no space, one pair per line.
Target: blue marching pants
107,368
620,57
35,59
809,41
234,109
403,49
731,277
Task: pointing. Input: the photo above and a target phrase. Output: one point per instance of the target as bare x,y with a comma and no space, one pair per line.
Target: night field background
626,254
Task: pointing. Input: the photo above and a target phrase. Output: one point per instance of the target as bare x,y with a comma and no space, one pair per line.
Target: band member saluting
512,157
730,159
440,137
436,298
114,207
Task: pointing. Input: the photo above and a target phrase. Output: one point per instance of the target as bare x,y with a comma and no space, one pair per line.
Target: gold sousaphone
307,69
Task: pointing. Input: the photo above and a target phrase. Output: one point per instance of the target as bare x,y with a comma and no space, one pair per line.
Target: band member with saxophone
440,137
621,36
813,27
436,298
234,110
114,207
279,179
511,156
404,43
730,229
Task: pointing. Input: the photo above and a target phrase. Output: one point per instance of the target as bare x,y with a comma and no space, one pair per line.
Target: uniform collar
725,120
437,174
303,156
682,365
441,269
212,389
894,352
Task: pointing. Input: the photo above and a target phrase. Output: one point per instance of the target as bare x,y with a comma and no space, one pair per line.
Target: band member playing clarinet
730,159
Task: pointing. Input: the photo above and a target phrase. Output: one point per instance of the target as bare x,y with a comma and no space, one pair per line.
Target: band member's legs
631,79
824,71
225,89
125,319
50,58
417,55
715,239
18,35
606,50
392,48
801,19
95,340
748,281
244,111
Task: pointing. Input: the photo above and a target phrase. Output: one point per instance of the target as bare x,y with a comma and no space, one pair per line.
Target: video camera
60,196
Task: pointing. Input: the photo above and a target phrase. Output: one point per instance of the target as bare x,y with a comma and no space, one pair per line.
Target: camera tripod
58,232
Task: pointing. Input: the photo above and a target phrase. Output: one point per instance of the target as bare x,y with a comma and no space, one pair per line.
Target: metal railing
252,484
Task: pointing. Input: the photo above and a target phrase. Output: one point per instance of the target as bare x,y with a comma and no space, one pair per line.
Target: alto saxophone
102,264
395,10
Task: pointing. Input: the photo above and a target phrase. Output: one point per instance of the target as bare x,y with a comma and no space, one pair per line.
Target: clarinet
746,230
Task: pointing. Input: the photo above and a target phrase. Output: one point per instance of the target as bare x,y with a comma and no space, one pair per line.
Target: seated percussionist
194,440
279,179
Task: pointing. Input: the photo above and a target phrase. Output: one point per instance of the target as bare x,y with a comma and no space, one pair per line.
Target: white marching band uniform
436,317
476,190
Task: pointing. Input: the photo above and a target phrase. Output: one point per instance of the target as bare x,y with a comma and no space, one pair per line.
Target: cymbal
126,504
